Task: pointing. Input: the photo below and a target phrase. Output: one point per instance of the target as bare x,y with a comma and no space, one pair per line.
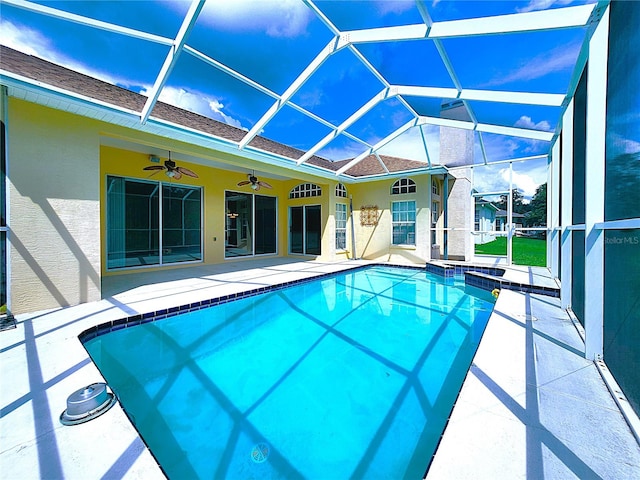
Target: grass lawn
526,251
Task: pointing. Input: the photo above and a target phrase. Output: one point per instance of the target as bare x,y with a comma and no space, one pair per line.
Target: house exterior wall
460,217
374,242
486,223
54,197
58,165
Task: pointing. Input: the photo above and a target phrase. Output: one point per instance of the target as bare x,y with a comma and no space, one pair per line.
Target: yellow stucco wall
54,195
374,242
214,182
58,164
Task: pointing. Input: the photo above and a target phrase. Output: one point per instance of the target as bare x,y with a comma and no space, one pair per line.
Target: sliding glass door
250,224
151,223
305,230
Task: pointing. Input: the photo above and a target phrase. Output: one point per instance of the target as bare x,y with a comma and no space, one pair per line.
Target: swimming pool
351,375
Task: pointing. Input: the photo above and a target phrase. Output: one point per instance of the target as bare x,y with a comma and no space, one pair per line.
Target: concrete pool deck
531,405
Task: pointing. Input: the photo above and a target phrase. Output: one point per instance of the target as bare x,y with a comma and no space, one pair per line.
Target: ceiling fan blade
264,184
243,183
177,175
186,171
155,167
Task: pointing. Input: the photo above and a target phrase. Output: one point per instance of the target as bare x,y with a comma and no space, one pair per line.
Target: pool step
488,278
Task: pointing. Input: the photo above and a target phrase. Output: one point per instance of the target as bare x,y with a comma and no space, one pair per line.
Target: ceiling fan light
254,186
170,174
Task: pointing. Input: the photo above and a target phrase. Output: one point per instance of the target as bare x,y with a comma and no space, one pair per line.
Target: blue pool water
350,376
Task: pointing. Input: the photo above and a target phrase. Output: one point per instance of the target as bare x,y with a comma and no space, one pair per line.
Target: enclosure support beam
594,191
566,206
553,213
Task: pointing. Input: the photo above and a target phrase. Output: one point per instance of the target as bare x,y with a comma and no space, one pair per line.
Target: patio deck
531,406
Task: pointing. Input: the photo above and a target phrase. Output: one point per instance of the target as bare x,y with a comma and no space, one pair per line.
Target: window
434,221
151,223
404,222
341,191
305,190
404,185
476,226
341,226
435,188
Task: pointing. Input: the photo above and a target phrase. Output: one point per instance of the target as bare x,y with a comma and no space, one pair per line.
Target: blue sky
271,42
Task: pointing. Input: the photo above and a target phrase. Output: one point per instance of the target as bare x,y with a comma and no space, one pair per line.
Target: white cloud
526,122
556,60
522,181
495,178
396,6
196,102
338,153
24,39
281,18
409,145
620,145
542,5
32,42
217,107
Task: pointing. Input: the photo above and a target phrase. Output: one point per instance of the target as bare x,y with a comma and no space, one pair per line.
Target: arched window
403,185
305,190
341,190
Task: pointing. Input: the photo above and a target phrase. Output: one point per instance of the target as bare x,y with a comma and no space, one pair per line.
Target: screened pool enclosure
514,98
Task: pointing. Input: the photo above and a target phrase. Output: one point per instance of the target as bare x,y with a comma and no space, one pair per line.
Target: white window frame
405,220
402,186
341,224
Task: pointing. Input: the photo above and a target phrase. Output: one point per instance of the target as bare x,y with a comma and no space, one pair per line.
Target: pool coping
153,316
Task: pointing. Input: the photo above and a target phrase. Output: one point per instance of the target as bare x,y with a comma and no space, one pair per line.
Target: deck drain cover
87,403
260,452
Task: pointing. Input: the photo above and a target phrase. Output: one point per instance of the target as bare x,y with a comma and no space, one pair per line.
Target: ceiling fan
254,182
172,170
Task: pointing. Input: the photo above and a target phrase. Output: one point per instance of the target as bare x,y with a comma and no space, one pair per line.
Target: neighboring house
93,192
485,221
501,220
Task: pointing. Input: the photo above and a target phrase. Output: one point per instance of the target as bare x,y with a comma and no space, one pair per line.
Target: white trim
553,210
413,222
429,92
4,112
378,145
324,54
384,34
627,224
229,71
620,398
516,132
517,22
566,206
382,95
594,190
510,225
172,57
545,99
90,22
